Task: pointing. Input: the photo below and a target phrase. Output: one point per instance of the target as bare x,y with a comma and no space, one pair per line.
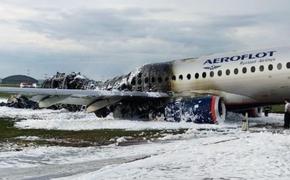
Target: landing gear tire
102,113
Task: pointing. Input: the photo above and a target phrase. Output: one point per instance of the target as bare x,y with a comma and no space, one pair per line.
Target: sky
105,38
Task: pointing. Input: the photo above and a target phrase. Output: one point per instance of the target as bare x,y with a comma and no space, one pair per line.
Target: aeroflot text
241,57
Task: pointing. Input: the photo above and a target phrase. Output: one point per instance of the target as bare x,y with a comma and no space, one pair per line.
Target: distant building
17,79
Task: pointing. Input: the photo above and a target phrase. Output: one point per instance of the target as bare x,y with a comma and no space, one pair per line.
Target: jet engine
207,109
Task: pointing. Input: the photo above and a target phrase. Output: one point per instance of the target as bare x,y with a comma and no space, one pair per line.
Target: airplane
197,90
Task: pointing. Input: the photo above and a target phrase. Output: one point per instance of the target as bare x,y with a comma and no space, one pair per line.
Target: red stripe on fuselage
212,109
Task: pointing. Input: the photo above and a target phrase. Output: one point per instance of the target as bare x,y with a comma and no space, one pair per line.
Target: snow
203,152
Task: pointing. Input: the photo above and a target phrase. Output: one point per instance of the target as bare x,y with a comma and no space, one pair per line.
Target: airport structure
17,79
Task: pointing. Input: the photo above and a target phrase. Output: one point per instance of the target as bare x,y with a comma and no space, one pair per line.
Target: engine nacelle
207,109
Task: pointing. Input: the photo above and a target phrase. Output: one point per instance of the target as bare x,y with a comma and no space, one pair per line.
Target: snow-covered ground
204,151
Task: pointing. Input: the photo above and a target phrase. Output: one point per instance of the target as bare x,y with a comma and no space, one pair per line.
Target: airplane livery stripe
212,109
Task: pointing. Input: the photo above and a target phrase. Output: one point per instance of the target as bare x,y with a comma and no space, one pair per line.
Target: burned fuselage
148,78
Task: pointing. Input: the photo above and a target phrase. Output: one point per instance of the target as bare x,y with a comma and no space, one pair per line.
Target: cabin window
180,77
166,79
204,74
244,70
159,79
188,76
133,82
146,80
228,72
288,65
220,72
211,74
279,66
139,81
196,75
153,79
236,71
173,78
261,68
139,75
270,67
253,69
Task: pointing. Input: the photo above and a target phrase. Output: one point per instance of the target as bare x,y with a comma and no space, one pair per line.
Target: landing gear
286,120
102,113
245,122
267,110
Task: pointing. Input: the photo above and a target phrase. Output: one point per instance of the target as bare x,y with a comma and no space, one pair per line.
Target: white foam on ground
243,156
228,154
235,155
64,120
3,100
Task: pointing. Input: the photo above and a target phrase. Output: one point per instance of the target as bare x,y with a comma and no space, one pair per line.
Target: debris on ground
19,101
59,81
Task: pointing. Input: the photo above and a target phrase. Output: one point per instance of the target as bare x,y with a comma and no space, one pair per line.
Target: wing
93,99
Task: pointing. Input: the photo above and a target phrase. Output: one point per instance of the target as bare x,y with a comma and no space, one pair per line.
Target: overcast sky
104,38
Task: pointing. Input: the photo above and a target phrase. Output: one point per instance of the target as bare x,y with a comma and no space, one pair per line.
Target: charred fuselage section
148,78
158,78
70,81
152,78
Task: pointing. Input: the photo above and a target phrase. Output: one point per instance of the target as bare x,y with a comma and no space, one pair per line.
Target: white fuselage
262,78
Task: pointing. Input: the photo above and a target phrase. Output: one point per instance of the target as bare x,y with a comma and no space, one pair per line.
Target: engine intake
207,109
